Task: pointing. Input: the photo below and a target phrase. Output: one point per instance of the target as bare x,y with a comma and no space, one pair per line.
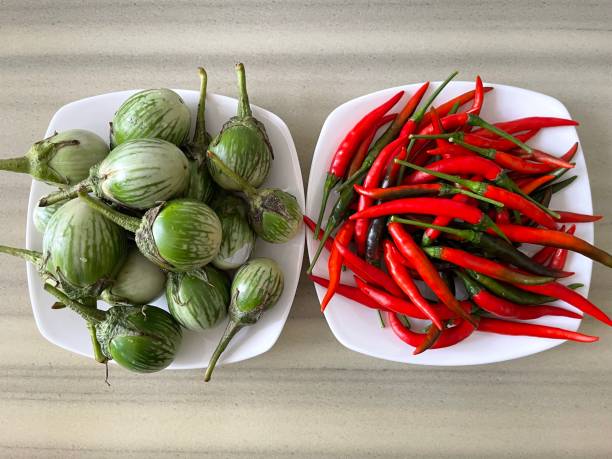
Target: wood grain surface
308,396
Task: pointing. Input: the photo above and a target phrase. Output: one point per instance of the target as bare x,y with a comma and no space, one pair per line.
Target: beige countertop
308,396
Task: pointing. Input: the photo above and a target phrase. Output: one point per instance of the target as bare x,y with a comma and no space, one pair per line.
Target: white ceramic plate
64,328
357,327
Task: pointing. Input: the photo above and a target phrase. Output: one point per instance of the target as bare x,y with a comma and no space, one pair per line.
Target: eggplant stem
95,344
32,256
230,331
66,194
21,165
245,186
244,108
199,136
86,312
125,221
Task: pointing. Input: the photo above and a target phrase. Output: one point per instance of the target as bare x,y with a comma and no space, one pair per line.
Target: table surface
308,396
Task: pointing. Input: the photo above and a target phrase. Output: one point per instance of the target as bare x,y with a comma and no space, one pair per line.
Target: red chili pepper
406,191
559,239
505,327
483,265
334,263
329,243
457,165
570,153
545,253
426,269
478,97
349,292
372,180
563,293
505,308
572,217
366,271
449,337
365,144
448,151
347,148
532,184
389,302
445,108
498,144
559,258
525,124
404,281
502,216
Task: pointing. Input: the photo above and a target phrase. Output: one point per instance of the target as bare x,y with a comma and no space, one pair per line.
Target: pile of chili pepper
441,198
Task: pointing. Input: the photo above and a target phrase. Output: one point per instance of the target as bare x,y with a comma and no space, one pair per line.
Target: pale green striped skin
141,173
74,161
242,145
139,281
152,114
199,299
142,339
82,249
275,215
257,286
201,185
42,215
187,234
238,236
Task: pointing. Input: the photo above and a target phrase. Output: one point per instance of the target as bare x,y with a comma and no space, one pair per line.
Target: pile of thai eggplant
159,213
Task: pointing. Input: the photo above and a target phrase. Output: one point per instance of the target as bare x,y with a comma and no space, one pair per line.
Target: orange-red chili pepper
457,165
357,160
445,108
426,269
334,263
352,293
525,124
483,265
563,293
498,144
559,239
404,281
506,327
366,271
532,184
329,242
572,217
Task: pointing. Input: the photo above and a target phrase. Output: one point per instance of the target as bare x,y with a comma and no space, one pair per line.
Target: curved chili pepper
563,293
349,292
559,258
329,243
430,337
543,255
334,263
554,187
569,155
449,337
492,246
502,216
362,151
426,189
478,97
504,308
498,144
431,234
409,249
446,108
572,217
559,239
508,198
404,281
506,327
386,301
366,271
450,151
429,206
532,184
346,150
483,265
525,124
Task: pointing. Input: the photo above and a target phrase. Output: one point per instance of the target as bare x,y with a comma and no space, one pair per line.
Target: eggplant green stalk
229,333
125,221
244,186
244,108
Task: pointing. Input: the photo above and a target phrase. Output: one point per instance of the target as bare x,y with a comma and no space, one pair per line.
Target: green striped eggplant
42,215
238,236
82,250
201,185
137,174
274,214
151,114
198,299
143,339
139,281
62,159
242,144
256,287
179,235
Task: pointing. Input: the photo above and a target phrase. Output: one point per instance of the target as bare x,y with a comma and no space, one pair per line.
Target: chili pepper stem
29,255
328,230
330,181
475,120
244,108
230,331
419,114
245,186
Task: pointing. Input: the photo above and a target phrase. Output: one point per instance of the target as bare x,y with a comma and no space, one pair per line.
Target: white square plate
66,329
357,327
